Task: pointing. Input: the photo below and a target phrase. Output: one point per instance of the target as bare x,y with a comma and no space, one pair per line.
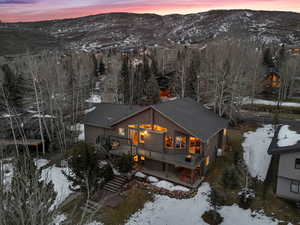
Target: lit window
180,142
207,161
122,131
142,136
295,186
297,164
169,141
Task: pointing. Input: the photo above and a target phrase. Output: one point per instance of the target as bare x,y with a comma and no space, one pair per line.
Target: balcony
183,159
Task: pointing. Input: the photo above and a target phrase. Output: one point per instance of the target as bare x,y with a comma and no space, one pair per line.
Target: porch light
143,158
136,158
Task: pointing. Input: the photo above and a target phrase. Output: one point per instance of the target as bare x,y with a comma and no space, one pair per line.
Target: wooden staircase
115,184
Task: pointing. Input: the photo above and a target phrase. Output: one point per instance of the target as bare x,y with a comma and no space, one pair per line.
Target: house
285,147
175,140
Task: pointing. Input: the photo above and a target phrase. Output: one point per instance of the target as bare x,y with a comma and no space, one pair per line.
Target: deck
177,159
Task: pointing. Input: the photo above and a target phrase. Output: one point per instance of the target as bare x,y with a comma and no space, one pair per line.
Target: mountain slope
127,30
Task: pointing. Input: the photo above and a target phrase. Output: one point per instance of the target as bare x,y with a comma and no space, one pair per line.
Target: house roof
276,148
193,117
186,113
106,114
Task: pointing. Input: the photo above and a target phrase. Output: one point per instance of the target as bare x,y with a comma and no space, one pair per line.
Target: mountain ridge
130,30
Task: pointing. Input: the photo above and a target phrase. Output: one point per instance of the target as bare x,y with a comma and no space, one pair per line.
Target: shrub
230,178
212,217
124,163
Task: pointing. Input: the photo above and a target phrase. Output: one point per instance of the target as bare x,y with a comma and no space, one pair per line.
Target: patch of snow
179,188
170,211
152,179
79,127
140,175
42,116
234,213
164,184
59,219
89,110
61,183
255,148
247,101
287,137
94,99
95,223
41,163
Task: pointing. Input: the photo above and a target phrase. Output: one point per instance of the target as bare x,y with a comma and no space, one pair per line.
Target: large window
295,186
297,164
194,145
169,142
180,142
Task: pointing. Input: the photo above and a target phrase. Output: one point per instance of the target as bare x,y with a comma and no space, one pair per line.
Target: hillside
127,30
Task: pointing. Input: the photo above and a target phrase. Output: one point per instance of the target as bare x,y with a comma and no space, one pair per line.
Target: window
297,164
207,161
142,136
180,142
194,145
295,186
121,131
169,142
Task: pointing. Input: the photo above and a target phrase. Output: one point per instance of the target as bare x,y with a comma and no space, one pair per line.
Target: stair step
111,190
112,187
116,182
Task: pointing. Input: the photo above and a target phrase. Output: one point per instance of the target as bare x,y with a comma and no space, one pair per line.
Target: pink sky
33,10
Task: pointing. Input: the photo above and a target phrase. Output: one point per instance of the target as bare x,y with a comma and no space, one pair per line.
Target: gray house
175,140
285,147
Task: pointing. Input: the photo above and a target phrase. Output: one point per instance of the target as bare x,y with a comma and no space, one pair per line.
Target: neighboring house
175,140
286,146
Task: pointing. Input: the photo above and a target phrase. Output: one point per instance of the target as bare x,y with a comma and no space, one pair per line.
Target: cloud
17,1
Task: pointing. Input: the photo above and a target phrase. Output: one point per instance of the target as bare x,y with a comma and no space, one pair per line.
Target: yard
265,199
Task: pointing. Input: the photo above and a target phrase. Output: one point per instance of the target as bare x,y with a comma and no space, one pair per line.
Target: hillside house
285,147
175,140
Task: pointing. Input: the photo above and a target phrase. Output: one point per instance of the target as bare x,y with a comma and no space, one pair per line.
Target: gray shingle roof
106,114
186,113
193,117
275,149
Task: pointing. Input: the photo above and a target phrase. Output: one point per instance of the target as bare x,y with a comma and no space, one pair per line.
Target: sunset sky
33,10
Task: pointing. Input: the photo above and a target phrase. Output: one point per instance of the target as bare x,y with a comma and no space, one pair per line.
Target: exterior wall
91,133
284,189
154,142
287,166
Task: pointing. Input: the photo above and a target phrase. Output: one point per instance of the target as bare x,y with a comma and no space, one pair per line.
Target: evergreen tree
152,91
146,69
85,173
191,82
11,90
124,85
30,199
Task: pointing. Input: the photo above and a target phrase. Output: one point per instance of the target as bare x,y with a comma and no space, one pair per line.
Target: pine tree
12,89
123,83
152,91
191,83
85,174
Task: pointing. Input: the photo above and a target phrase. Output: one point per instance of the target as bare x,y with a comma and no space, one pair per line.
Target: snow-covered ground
287,137
80,128
169,211
255,148
61,184
268,102
94,99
